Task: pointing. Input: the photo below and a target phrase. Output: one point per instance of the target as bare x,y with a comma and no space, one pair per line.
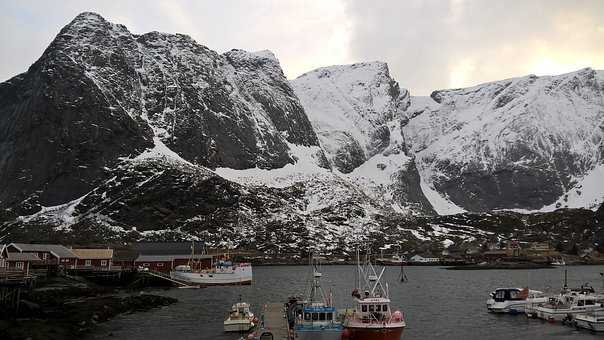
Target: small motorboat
514,300
568,304
593,321
558,262
240,318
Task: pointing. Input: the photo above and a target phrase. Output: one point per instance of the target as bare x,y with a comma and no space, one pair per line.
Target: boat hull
319,335
559,315
592,324
238,326
357,333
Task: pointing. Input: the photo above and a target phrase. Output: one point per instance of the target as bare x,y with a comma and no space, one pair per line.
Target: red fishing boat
372,318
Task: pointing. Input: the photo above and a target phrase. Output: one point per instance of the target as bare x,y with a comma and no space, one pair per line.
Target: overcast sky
431,44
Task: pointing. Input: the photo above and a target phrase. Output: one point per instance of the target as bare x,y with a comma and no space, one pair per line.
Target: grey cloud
423,41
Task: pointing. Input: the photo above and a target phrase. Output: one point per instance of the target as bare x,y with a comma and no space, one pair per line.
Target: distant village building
513,248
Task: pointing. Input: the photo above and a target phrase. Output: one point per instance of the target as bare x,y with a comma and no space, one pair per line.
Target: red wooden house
165,263
16,262
93,259
49,254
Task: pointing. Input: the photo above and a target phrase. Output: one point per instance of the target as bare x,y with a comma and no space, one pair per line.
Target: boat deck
275,321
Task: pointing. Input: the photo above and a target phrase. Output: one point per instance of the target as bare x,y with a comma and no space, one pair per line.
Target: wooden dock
275,321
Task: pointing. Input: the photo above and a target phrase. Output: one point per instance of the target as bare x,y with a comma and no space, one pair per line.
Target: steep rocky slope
99,93
526,143
357,111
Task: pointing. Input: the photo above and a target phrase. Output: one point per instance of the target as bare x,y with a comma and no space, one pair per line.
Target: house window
103,263
160,264
88,263
145,265
44,256
2,263
19,265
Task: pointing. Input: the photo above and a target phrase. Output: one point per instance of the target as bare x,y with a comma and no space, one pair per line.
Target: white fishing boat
565,306
514,300
593,321
223,273
220,273
240,318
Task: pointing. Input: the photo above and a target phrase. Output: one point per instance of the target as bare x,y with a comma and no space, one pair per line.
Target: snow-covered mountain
523,143
111,135
99,93
357,111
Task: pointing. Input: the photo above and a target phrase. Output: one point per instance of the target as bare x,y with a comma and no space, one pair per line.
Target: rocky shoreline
71,312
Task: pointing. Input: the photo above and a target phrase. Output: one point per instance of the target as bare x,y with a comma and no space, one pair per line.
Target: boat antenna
565,279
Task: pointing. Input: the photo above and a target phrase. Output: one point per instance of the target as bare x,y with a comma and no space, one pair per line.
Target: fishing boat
222,273
240,318
593,321
314,316
372,317
514,300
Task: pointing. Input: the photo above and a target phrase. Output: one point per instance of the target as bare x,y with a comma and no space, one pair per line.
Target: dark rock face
57,131
407,190
99,93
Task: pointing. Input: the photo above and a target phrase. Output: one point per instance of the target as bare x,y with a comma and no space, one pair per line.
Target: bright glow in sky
428,45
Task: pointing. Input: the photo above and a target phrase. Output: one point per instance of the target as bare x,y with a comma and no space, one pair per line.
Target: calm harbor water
437,303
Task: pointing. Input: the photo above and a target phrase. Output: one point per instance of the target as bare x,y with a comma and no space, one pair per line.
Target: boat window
385,308
307,316
315,316
378,308
500,295
330,316
580,303
590,302
371,308
514,294
321,316
364,308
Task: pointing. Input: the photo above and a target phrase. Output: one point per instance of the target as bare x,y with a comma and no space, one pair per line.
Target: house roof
167,248
156,258
124,254
93,254
55,249
22,257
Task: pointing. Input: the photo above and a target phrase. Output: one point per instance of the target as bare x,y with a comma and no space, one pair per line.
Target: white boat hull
513,307
564,314
591,323
238,325
239,276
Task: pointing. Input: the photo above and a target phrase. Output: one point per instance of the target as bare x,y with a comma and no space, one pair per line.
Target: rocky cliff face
526,143
99,93
357,112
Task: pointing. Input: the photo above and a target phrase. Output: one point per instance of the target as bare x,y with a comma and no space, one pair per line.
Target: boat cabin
373,309
318,315
509,294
